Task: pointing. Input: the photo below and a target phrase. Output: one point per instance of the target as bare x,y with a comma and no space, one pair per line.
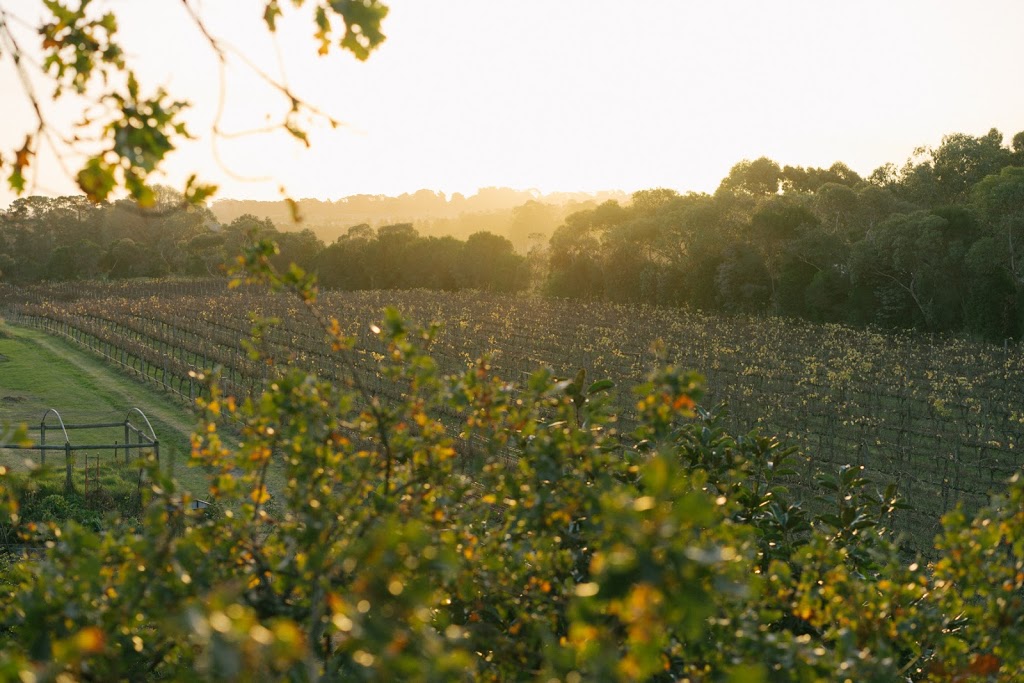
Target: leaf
575,388
270,14
23,155
293,208
559,387
323,30
828,483
393,322
260,495
600,385
140,191
985,664
297,133
96,179
832,520
17,181
22,158
197,193
362,25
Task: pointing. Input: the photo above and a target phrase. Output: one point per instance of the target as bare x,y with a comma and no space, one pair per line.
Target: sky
563,95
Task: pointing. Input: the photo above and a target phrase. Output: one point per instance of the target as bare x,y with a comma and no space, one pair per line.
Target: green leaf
16,180
600,385
362,25
196,192
270,15
96,179
393,322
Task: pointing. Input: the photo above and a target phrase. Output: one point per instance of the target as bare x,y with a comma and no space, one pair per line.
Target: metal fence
137,439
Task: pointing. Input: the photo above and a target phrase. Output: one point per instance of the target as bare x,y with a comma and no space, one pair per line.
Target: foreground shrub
476,530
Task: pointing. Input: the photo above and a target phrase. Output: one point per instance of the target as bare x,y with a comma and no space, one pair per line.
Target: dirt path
106,385
110,381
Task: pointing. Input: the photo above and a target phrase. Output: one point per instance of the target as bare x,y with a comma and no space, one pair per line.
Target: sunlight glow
572,95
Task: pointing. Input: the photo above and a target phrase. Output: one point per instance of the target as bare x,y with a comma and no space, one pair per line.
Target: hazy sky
574,94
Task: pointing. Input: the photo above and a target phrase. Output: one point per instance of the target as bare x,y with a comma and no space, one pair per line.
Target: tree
885,176
963,160
742,281
992,293
130,130
945,174
776,224
912,263
489,262
575,266
630,258
1000,197
649,201
753,178
300,248
874,204
344,264
800,180
835,205
125,258
206,254
389,254
531,218
1017,145
435,263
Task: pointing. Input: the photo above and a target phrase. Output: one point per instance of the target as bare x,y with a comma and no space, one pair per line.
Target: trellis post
68,467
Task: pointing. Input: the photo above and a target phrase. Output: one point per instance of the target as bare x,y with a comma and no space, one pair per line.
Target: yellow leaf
89,640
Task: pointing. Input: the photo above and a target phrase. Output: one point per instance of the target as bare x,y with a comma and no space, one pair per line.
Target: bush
565,551
54,508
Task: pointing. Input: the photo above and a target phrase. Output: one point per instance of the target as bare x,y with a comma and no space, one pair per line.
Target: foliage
941,416
68,238
933,246
397,257
542,543
135,131
822,244
789,240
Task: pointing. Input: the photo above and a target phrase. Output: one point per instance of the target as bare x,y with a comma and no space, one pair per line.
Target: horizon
566,98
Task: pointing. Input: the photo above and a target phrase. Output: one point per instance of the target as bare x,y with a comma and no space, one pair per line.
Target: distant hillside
433,213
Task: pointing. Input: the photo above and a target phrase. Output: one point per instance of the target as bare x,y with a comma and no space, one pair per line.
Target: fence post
68,466
42,442
127,442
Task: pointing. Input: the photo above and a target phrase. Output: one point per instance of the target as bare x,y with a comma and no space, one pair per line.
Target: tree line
935,244
69,238
515,214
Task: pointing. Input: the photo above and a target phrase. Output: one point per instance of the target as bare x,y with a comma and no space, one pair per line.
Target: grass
38,372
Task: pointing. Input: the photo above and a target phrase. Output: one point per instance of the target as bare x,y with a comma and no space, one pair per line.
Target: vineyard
944,418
